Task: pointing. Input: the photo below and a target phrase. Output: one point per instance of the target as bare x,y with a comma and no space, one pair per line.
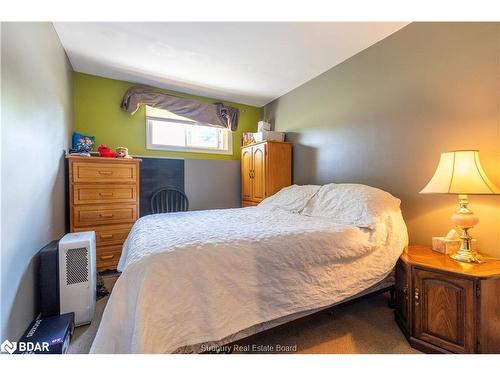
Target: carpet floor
362,327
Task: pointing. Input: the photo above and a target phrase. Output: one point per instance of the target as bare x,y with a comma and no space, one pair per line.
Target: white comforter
199,277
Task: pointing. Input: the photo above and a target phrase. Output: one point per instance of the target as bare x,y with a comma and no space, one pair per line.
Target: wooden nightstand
444,306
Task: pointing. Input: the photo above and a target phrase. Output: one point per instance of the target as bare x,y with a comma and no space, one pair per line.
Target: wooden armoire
266,168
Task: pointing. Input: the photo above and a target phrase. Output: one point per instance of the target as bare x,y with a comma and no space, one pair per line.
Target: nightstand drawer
110,214
93,194
104,172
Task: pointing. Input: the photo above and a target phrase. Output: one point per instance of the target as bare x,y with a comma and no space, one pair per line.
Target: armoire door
444,311
246,170
258,172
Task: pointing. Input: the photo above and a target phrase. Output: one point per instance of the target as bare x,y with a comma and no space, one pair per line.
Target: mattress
211,277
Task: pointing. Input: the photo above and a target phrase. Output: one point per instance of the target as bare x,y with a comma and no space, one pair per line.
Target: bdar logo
8,347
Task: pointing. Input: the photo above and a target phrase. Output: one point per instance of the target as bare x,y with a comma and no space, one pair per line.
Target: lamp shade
460,172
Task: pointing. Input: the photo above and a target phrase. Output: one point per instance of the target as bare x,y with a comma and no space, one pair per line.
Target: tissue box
445,246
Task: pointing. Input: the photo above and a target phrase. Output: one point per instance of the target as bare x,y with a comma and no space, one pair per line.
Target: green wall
98,113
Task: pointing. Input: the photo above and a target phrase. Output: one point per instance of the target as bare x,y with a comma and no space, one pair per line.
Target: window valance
216,114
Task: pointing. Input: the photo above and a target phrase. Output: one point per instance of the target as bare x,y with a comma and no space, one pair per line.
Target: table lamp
460,172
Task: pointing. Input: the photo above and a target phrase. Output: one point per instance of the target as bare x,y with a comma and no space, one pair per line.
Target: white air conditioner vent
77,276
77,261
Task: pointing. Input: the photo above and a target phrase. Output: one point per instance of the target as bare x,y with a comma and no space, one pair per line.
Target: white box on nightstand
446,246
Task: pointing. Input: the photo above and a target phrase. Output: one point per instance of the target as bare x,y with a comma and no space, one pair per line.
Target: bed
195,280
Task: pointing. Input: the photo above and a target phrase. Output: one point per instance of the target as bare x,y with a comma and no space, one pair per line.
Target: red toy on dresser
105,152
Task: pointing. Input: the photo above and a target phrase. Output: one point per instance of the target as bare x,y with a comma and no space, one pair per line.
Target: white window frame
152,146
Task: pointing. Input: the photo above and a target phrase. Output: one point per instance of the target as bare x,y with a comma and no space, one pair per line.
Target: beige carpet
366,326
362,327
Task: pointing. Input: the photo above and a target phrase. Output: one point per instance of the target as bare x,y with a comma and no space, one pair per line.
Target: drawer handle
106,173
417,296
106,194
106,236
106,257
106,215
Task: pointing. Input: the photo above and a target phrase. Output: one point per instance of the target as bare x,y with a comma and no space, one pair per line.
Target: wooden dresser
104,197
266,168
444,306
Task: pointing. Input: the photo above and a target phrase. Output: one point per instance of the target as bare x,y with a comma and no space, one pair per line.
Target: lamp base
467,256
464,219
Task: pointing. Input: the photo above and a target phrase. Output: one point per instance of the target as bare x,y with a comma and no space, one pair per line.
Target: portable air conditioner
77,276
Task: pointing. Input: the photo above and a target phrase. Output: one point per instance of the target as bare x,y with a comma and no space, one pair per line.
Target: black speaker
48,278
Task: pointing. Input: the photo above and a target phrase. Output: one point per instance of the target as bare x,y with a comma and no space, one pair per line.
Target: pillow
351,204
75,139
292,198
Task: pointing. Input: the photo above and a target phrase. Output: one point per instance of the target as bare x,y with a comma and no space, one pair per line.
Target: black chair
169,200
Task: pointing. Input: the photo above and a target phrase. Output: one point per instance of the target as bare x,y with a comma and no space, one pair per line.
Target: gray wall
383,116
212,183
36,124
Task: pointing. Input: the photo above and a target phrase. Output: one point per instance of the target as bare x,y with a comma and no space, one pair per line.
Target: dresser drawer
109,234
112,235
92,194
104,172
107,257
109,214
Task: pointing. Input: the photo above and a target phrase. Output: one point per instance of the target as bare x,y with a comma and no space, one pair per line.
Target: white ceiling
250,63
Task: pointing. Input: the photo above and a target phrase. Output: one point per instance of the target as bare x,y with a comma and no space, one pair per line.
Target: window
167,131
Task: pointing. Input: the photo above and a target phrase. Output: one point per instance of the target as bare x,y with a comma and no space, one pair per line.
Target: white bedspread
197,277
